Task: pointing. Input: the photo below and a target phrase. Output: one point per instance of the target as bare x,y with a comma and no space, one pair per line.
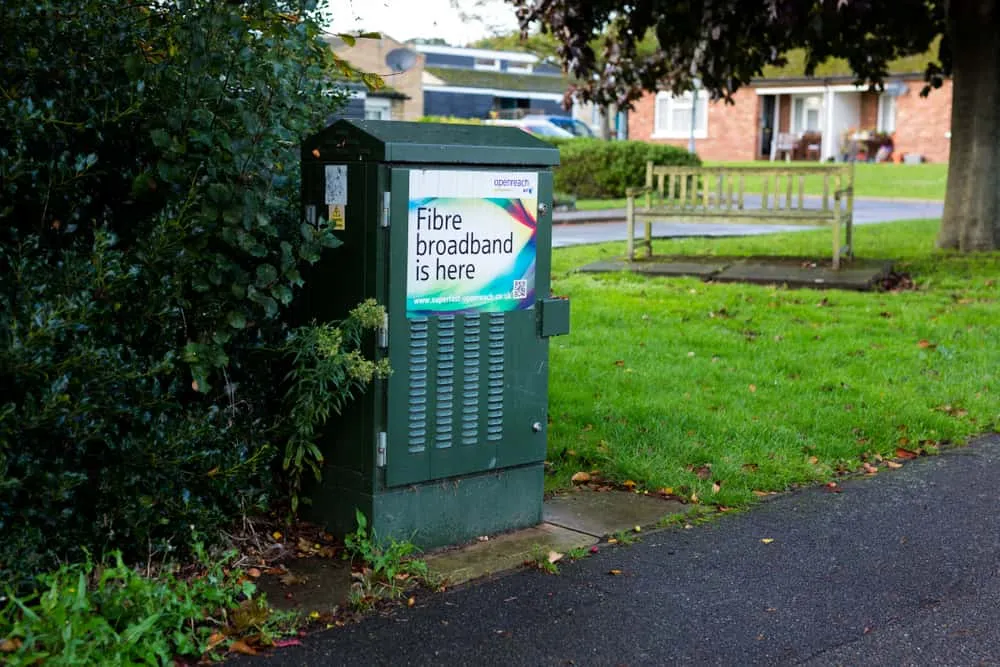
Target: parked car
575,127
541,128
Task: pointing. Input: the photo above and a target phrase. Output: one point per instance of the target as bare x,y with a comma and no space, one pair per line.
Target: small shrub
110,614
387,568
596,169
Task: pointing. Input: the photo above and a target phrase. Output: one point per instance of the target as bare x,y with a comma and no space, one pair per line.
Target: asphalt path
899,568
581,227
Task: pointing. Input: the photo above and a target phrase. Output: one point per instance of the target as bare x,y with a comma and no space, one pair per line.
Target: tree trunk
972,203
605,123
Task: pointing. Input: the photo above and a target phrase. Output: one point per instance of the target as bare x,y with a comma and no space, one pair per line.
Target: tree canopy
728,43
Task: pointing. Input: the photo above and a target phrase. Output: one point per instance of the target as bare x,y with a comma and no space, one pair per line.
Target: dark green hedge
596,169
153,382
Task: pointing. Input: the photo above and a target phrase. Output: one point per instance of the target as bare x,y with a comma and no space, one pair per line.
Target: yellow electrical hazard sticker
338,216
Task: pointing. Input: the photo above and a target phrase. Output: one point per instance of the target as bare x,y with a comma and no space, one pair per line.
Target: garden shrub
151,249
597,169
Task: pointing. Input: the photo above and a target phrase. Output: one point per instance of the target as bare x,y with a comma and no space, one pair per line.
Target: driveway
567,232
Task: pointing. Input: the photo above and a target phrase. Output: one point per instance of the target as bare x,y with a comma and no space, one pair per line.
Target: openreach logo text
513,184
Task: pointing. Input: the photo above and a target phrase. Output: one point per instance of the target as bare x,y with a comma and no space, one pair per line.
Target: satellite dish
400,60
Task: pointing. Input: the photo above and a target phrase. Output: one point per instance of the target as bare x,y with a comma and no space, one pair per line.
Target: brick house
787,115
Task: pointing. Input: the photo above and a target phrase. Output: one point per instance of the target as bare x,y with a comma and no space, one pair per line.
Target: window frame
886,104
380,104
663,127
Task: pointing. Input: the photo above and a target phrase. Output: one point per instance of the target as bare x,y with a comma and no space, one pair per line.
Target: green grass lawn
672,382
916,181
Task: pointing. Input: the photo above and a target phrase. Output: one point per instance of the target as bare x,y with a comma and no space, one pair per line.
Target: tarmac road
900,568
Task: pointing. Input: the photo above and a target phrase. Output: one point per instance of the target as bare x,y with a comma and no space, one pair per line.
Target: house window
378,108
672,116
519,68
806,113
886,114
486,63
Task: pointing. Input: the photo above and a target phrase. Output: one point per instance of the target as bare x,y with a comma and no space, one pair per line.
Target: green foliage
544,560
327,370
592,168
111,615
454,120
151,249
387,569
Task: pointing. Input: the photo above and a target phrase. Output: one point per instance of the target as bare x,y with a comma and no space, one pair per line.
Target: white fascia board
554,97
512,56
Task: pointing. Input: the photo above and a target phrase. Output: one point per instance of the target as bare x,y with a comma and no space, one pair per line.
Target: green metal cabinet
449,227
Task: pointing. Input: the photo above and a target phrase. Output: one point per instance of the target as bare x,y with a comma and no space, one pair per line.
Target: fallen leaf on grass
628,484
10,645
870,469
716,487
214,640
554,557
905,453
752,388
894,465
620,362
926,344
276,535
241,647
615,573
580,478
813,460
410,602
767,540
253,572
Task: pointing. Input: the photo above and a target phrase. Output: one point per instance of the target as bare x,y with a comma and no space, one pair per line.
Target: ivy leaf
236,319
266,274
282,293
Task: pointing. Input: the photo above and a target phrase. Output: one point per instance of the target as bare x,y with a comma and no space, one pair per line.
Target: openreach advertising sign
472,241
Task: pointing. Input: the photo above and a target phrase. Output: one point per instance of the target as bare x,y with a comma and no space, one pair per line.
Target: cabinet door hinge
380,450
386,200
383,332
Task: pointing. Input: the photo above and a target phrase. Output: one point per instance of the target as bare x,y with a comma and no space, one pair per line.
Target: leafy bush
596,169
454,120
112,615
151,248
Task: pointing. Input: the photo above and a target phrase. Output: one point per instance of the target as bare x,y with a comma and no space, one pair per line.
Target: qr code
520,289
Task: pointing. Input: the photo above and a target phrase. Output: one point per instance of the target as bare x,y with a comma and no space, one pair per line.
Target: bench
744,195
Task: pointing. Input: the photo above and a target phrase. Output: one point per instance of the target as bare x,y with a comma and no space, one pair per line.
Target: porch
825,122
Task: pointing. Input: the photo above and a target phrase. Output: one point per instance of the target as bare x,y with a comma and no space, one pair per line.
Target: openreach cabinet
450,228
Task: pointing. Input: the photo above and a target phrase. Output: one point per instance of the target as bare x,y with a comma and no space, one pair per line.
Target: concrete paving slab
314,584
604,513
698,269
503,552
857,275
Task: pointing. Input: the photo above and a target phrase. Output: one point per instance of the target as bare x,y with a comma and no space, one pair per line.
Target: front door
766,123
